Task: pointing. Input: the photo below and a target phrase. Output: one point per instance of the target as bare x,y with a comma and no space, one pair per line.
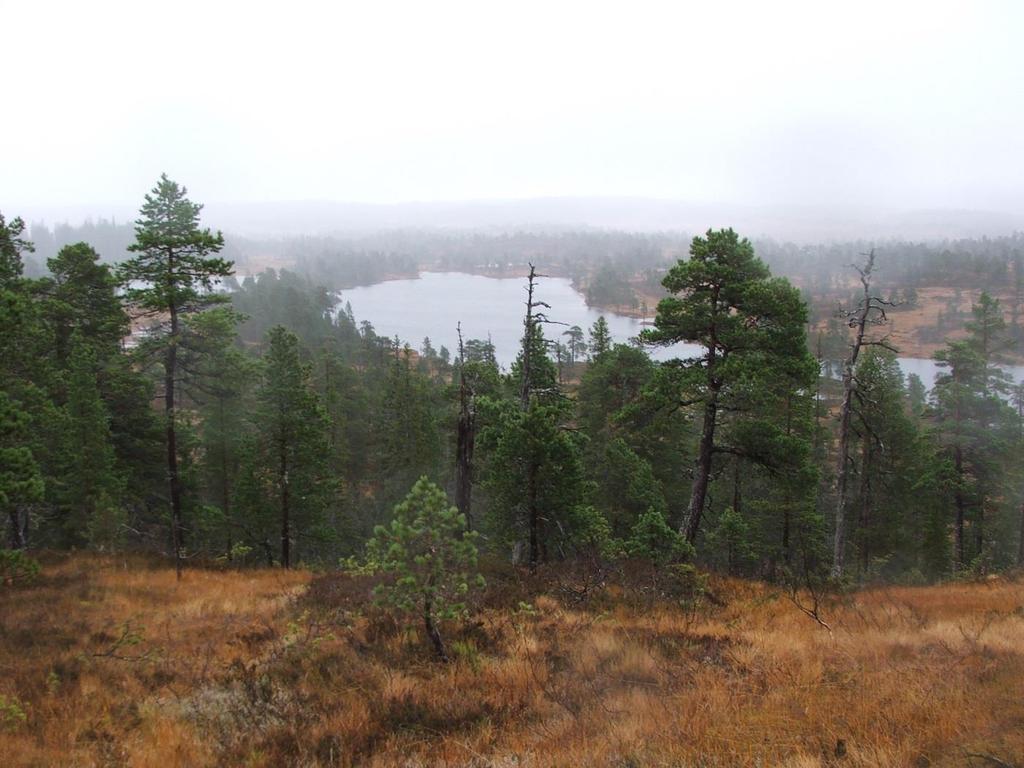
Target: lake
435,302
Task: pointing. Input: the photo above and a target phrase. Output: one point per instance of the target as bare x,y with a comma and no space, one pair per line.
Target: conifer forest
654,398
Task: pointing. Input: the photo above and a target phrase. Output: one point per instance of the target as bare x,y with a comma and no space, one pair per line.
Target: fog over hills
806,223
800,121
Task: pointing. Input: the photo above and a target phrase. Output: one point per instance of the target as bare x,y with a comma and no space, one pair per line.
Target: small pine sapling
431,556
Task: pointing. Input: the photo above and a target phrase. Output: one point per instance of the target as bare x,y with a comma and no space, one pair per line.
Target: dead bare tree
529,329
530,323
807,589
869,311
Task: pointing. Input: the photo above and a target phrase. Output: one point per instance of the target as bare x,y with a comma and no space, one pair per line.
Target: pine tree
957,401
219,384
635,440
81,296
432,557
889,461
29,421
410,440
21,481
171,276
91,485
534,473
534,466
600,338
989,338
12,245
292,437
577,347
978,429
751,328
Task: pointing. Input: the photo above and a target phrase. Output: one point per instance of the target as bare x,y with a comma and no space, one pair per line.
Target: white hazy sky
897,103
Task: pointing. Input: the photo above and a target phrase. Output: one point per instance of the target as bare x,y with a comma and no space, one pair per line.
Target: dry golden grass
251,668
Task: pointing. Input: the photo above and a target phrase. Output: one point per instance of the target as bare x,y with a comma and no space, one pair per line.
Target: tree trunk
534,515
865,506
465,442
702,476
979,534
788,501
1020,544
225,486
18,537
787,554
737,486
286,534
524,393
842,460
859,320
432,631
958,498
170,371
533,512
269,552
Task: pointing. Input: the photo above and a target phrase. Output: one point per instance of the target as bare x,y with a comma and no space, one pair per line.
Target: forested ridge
253,423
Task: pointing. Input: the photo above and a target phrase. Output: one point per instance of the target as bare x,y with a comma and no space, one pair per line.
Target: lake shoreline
488,304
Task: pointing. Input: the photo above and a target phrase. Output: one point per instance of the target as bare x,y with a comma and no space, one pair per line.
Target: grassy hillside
108,661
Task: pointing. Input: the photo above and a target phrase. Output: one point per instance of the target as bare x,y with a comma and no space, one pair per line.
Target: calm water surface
433,304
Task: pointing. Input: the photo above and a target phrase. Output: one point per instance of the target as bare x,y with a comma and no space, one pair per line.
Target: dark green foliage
220,386
543,372
286,473
12,245
81,296
751,330
626,487
280,297
651,538
977,430
172,274
21,481
410,440
600,338
891,458
532,463
479,351
917,395
173,261
732,537
90,487
17,568
299,455
575,344
430,557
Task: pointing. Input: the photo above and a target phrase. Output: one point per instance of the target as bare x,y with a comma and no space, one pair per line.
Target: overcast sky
898,104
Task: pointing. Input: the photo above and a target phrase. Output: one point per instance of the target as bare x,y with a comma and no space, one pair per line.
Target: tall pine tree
751,331
170,277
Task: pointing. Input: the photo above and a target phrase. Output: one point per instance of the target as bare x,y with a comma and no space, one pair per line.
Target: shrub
431,557
12,713
17,568
654,539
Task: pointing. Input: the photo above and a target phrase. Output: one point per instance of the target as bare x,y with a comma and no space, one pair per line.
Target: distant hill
807,223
